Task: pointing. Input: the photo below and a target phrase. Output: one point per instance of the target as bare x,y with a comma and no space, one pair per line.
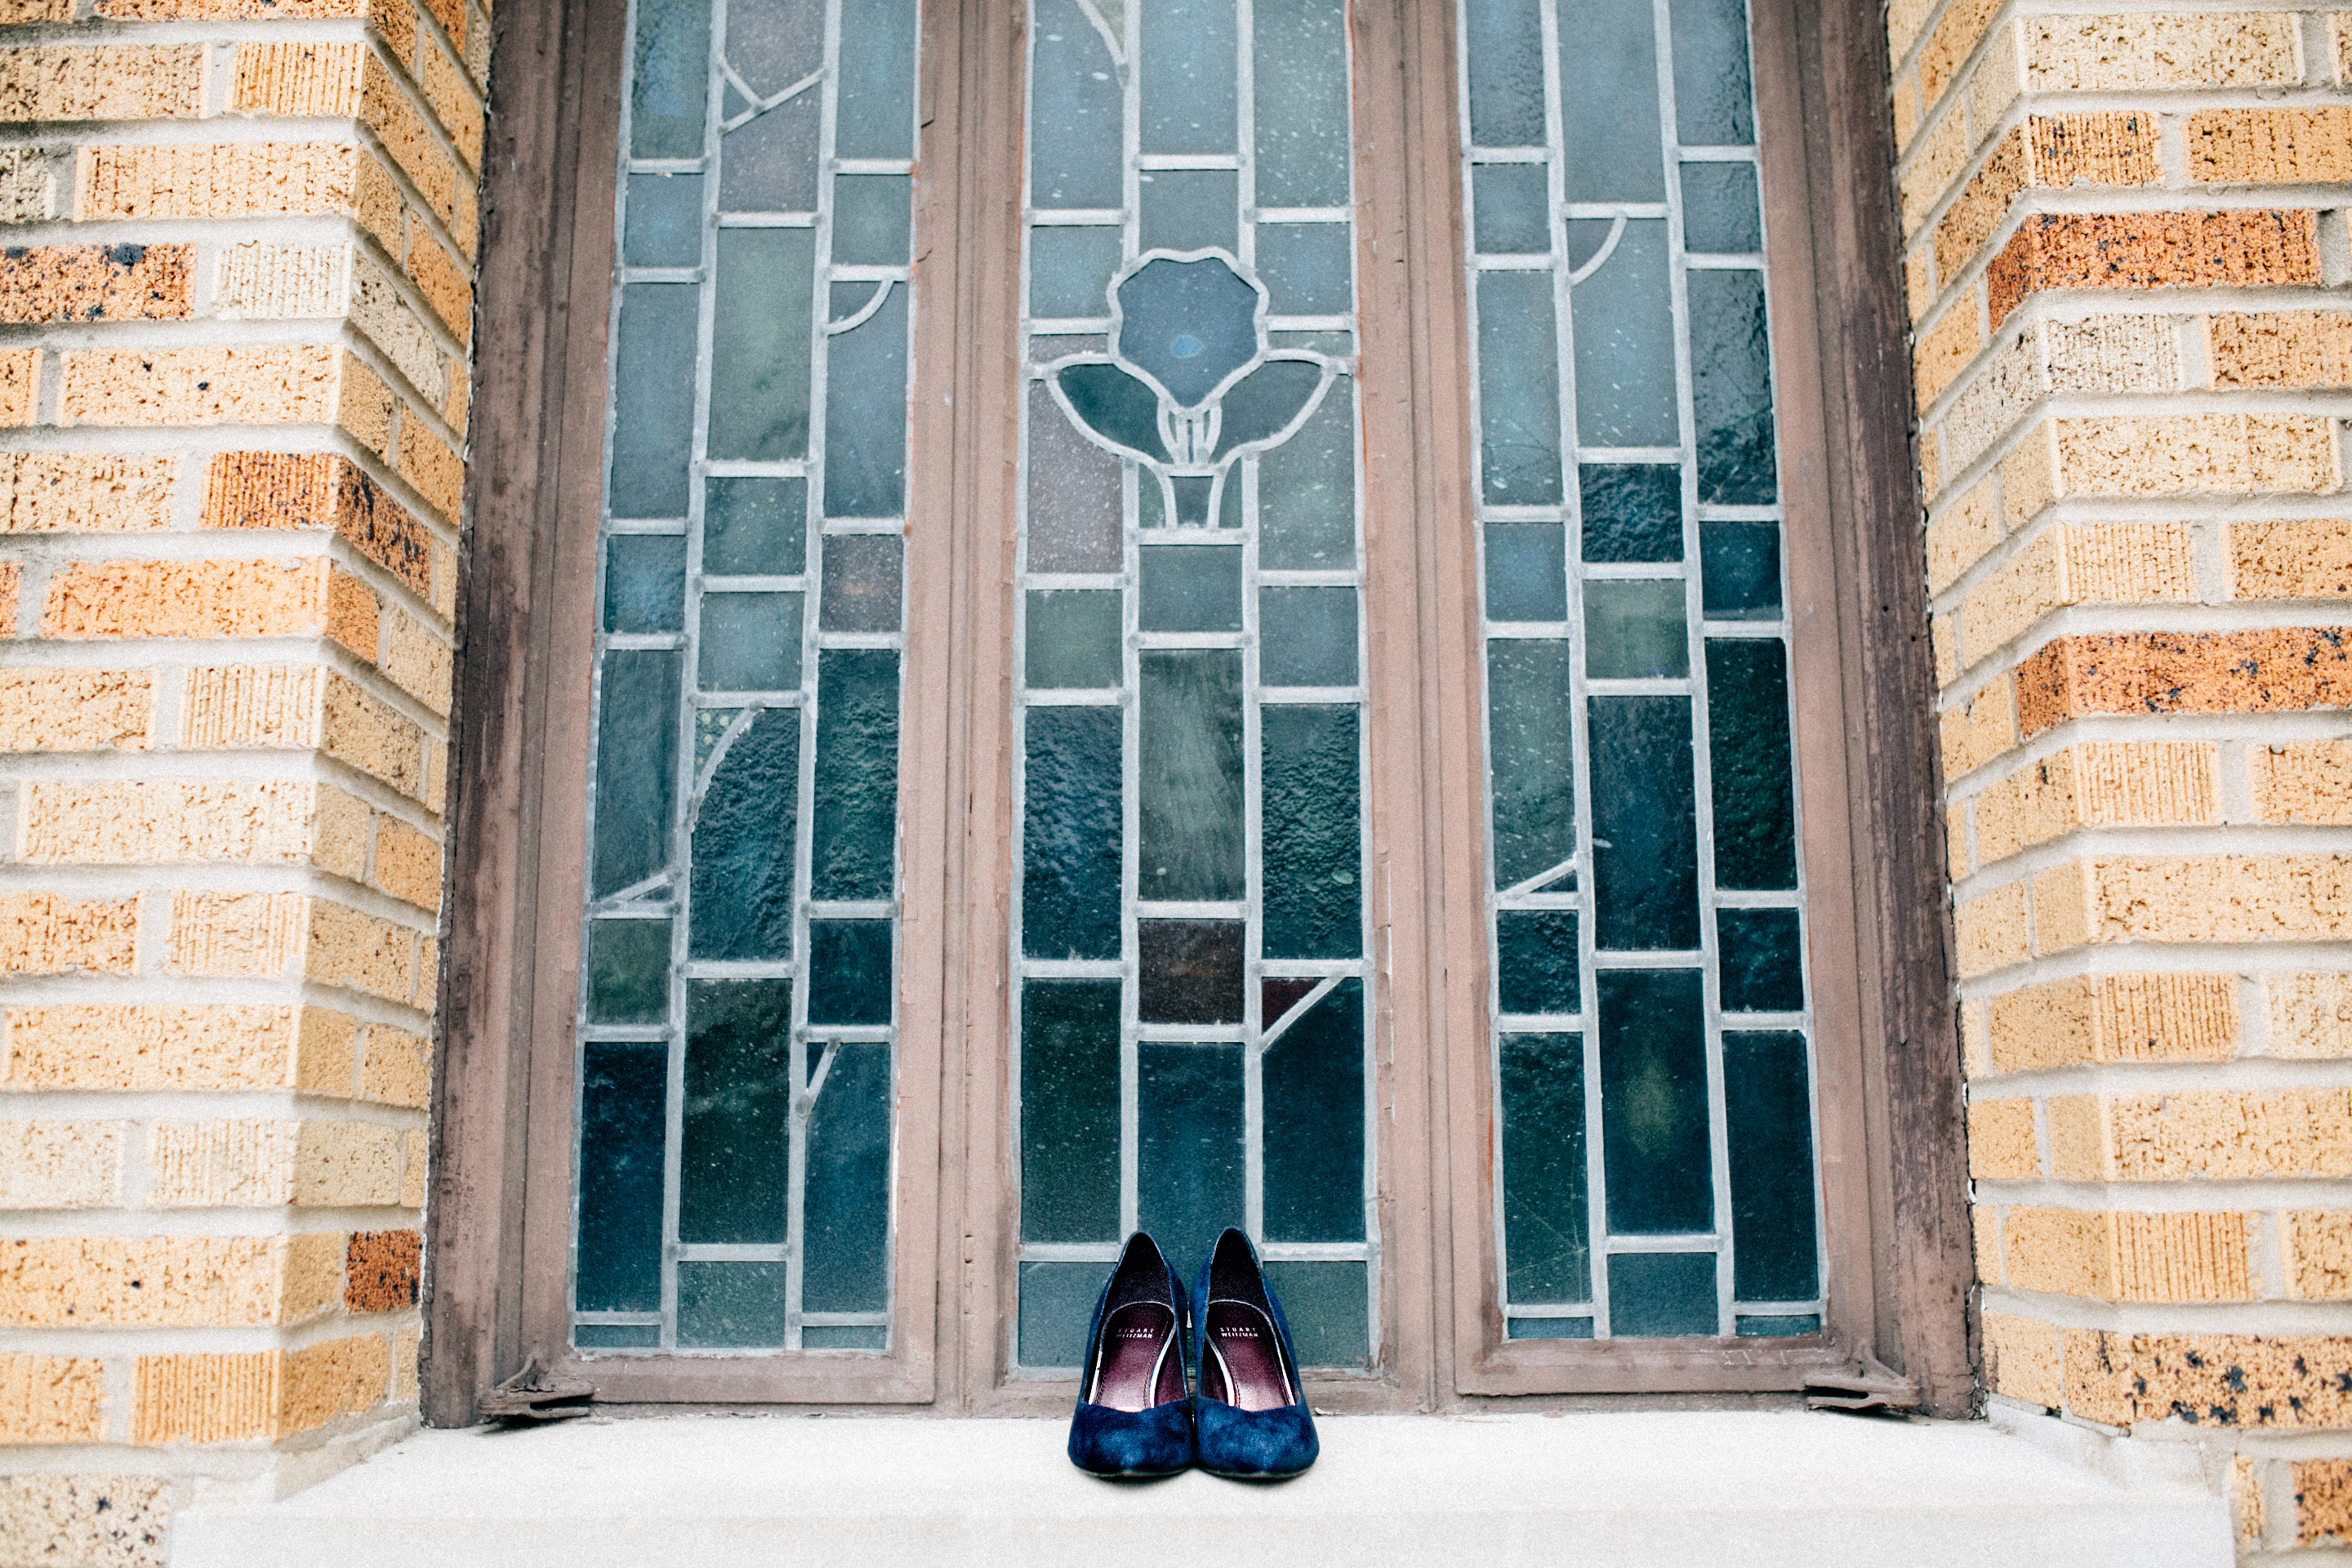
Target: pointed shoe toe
1254,1445
1134,1417
1124,1444
1250,1420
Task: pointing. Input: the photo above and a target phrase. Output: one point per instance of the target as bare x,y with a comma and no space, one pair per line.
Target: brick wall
235,306
2126,261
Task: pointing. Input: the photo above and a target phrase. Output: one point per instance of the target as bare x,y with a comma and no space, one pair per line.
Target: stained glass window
1189,944
735,1045
1652,1039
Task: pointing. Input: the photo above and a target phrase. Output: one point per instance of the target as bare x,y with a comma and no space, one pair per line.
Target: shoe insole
1136,1366
1244,1358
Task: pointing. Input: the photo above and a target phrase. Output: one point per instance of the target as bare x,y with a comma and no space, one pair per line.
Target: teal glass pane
636,766
1076,115
1057,1303
1312,1083
849,971
844,1337
1547,1217
1069,1111
872,219
653,402
665,221
1299,80
742,879
1530,746
1518,389
1609,123
1644,824
1073,638
1768,1114
1307,491
750,642
731,1306
769,166
1189,1155
862,583
866,408
772,44
1513,206
1739,575
876,118
1070,833
1326,1306
1526,571
1662,1295
760,350
1073,494
629,971
1778,1327
1070,270
1538,967
1192,209
1190,589
1306,266
1763,960
1719,212
1625,338
1189,972
1548,1328
852,851
1502,41
755,527
1632,511
622,1087
845,1202
1713,104
667,78
617,1336
1635,630
1753,789
1189,53
1306,636
1189,807
735,1158
1731,389
645,584
1311,827
1653,1112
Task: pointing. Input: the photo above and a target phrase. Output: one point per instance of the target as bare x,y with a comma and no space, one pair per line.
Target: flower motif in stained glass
1185,326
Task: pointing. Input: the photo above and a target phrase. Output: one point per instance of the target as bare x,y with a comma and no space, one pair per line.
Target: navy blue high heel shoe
1134,1418
1250,1419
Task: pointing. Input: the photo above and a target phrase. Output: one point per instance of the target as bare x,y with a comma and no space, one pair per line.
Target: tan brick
226,1047
367,406
262,1163
230,10
2318,1254
405,1343
1944,643
2296,560
1991,930
439,473
2246,1506
2054,153
2122,562
76,709
2239,1381
2079,1139
61,1165
2001,1141
2160,49
267,1395
166,821
2298,348
2207,453
298,78
371,736
1954,38
103,1521
1978,730
2107,784
282,282
16,13
2268,146
353,618
318,489
282,596
411,1171
395,1070
379,311
1962,535
2107,1018
347,948
2111,1257
52,1399
339,834
1984,1234
29,190
2029,477
84,492
293,384
2310,1015
2022,1360
236,180
326,1052
451,95
1943,350
2304,780
2152,250
168,1282
97,283
386,108
381,1270
418,662
382,209
45,933
2276,670
2216,1134
2323,1501
2340,35
20,383
255,935
253,705
408,865
1919,289
445,287
445,583
120,81
341,1377
1935,164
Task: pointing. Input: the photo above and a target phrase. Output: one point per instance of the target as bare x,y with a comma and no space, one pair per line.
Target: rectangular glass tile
1547,1226
877,114
1662,1296
1190,783
735,1163
1069,1111
846,1209
1327,1306
1502,43
731,1306
769,164
759,360
1632,511
1778,1327
1075,117
1307,491
743,836
1624,320
1731,389
1763,961
664,220
1306,636
1300,86
1191,588
653,413
645,584
1073,494
1518,389
845,1337
1189,1157
749,642
1548,1328
1720,211
1713,104
617,1336
1311,823
852,851
1609,102
1644,824
1635,630
849,971
1307,268
622,1087
1538,969
755,527
667,77
1070,833
1070,270
636,766
873,219
866,406
862,579
1739,573
1530,747
1513,206
1074,638
1526,571
629,971
1312,1083
1653,1112
1747,739
1057,1303
1767,1107
1192,209
1188,50
1189,972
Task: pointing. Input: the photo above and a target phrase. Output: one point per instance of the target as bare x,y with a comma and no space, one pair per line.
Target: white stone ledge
1753,1488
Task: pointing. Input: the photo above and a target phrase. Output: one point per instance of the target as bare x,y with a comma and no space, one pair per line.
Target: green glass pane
1073,640
1073,494
755,527
1635,630
852,849
1307,268
1513,208
1731,389
1299,71
1191,588
731,1306
876,87
622,1087
1312,1080
772,43
617,1336
846,1200
1069,1111
1768,1123
1518,389
1631,512
1644,824
769,166
669,78
844,1337
1624,337
1526,571
665,221
872,219
1076,115
1719,212
1537,968
1653,1112
1311,825
1306,636
1190,797
1189,59
1662,1295
759,347
1307,491
1712,103
653,401
629,971
742,879
1502,45
849,971
1609,102
866,406
1057,1299
1325,1306
1747,736
750,642
1763,960
1548,1328
734,1162
636,766
1070,833
1546,1222
1778,1327
1739,577
1192,209
1530,746
1189,1154
862,579
1070,270
645,584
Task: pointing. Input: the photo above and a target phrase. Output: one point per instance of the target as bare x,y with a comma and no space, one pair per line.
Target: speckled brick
2276,670
85,492
2152,250
2050,152
61,1165
2122,562
124,283
50,933
1962,535
2296,560
166,821
2261,1381
2323,1501
28,189
445,287
2268,146
2318,1244
451,95
1943,350
1949,46
76,709
122,81
395,1069
439,473
408,865
2301,781
2105,1018
380,1270
1934,166
2160,49
372,735
2310,1015
154,1282
230,10
2299,349
386,108
52,1399
262,384
318,489
90,1521
236,180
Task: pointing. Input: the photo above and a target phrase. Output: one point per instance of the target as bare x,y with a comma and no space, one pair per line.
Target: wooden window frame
1900,1282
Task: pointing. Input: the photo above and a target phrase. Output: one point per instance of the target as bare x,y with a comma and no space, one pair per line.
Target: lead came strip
1655,1162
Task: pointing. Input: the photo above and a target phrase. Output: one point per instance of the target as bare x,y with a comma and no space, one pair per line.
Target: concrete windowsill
1756,1490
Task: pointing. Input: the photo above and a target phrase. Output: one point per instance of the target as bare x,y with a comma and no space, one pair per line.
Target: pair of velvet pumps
1242,1413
